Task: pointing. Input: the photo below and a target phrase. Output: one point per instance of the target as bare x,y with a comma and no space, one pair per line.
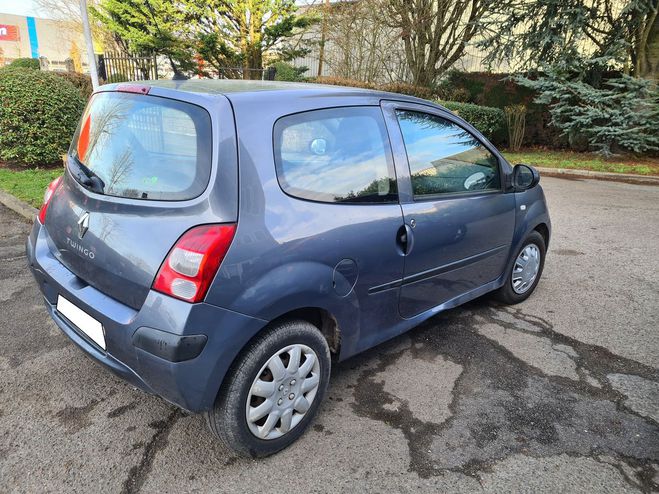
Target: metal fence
119,67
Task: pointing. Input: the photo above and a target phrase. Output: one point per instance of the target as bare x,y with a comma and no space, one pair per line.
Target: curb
22,208
568,173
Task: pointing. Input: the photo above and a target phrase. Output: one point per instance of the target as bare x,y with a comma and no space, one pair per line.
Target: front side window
144,147
444,158
335,155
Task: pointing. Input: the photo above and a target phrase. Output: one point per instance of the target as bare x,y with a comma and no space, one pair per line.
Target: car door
459,221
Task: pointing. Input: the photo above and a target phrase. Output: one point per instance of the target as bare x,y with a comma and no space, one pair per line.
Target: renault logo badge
83,224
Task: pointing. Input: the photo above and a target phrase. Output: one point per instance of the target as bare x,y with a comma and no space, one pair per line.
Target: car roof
234,89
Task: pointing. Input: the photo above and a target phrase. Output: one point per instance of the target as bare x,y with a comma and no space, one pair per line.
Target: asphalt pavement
558,394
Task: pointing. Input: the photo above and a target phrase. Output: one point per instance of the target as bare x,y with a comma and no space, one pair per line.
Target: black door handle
405,239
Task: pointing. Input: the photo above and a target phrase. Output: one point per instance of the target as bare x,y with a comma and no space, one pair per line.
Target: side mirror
525,177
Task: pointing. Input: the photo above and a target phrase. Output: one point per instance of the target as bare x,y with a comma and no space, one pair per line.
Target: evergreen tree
222,33
620,114
594,62
153,26
239,33
535,32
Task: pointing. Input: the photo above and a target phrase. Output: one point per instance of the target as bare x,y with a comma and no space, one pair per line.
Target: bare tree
360,43
68,12
435,33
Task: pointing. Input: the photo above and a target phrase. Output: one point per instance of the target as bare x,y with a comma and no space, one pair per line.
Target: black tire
506,294
228,418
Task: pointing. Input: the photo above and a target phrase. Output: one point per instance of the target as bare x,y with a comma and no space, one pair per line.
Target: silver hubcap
526,268
283,391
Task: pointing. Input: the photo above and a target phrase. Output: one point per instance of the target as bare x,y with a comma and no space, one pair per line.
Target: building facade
34,37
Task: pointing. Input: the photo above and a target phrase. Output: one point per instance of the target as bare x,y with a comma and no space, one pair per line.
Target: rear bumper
176,350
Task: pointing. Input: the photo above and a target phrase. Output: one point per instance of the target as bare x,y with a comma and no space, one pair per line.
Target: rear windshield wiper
87,177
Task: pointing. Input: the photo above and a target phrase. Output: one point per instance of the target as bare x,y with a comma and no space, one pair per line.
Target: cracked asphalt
560,393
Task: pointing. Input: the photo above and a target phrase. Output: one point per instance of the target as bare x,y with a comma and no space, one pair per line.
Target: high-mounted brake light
133,88
192,263
48,195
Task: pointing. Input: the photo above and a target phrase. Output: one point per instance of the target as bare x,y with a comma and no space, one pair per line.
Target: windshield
142,147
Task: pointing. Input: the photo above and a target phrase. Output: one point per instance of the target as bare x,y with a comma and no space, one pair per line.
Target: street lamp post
93,71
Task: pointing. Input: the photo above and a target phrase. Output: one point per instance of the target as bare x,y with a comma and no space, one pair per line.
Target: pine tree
592,62
621,114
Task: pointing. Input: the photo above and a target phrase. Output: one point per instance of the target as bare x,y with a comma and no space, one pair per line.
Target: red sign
8,33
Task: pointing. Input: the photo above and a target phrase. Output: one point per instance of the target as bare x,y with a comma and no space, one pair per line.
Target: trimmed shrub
39,112
392,87
499,91
81,81
491,122
286,72
25,63
340,81
409,89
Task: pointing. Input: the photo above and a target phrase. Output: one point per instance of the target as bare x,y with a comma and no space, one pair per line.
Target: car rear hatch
141,171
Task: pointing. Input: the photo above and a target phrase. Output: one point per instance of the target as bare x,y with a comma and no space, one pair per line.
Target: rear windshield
143,147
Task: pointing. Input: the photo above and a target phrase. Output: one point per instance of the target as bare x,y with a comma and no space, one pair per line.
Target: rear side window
145,147
335,155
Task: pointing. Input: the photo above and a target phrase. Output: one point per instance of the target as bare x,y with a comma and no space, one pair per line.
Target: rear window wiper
87,177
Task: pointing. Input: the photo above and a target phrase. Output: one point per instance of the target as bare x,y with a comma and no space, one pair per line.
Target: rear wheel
273,391
526,270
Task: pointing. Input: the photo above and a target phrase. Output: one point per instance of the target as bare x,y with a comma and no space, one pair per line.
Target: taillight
48,195
192,263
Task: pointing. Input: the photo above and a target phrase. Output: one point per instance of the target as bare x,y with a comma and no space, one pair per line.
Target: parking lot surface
560,393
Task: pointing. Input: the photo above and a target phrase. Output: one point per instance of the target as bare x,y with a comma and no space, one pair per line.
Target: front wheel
273,391
526,270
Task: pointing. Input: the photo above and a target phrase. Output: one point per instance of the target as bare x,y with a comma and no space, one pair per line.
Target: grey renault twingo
217,243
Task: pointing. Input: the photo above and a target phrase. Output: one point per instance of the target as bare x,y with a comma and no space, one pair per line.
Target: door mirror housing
525,177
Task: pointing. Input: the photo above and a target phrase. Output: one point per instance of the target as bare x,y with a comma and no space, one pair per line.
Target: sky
19,7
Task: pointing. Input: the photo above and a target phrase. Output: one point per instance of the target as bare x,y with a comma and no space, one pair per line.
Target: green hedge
81,81
392,87
39,113
499,91
490,121
287,72
25,63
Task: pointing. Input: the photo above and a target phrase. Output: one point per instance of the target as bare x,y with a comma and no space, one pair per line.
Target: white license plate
83,321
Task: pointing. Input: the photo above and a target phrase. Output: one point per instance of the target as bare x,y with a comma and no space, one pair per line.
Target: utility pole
323,35
93,71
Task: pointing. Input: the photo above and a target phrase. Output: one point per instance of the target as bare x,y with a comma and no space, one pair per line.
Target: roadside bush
516,123
81,81
409,89
39,112
458,94
490,121
25,63
340,81
286,72
499,91
392,87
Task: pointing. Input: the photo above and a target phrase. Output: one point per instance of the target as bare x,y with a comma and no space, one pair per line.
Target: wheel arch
321,318
543,230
